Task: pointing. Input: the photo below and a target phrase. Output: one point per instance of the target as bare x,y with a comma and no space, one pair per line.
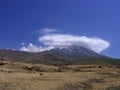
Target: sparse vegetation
113,88
23,76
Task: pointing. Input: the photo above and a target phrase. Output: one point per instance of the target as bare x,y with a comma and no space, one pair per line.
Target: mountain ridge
58,56
74,52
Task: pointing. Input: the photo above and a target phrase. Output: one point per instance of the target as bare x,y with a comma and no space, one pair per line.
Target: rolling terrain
59,56
68,68
26,76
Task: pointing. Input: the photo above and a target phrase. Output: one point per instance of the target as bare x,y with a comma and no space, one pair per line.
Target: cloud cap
61,40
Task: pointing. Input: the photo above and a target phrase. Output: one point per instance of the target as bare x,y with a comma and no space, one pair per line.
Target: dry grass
14,76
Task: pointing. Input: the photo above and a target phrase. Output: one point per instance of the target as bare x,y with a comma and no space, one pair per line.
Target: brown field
21,76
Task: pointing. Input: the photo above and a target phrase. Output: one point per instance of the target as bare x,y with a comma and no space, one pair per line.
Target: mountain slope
20,56
58,56
14,55
75,53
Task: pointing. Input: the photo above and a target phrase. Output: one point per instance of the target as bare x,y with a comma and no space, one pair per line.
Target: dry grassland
21,76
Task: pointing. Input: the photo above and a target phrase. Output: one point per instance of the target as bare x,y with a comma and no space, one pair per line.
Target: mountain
58,56
14,55
75,53
27,57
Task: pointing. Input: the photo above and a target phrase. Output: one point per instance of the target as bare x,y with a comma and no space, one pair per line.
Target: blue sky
20,21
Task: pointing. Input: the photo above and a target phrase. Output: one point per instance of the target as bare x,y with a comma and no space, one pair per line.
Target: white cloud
23,44
47,30
51,41
33,48
60,40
